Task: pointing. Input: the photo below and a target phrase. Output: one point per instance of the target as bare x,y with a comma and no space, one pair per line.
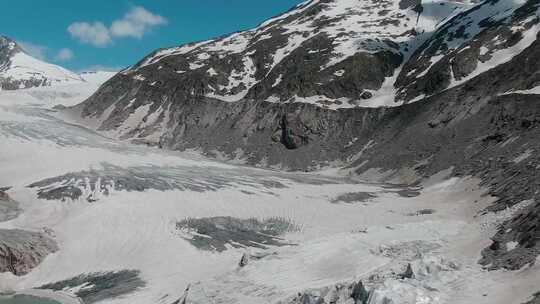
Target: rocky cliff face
18,70
397,90
468,45
20,250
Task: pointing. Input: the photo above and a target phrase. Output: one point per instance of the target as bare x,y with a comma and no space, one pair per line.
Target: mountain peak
6,42
8,48
19,70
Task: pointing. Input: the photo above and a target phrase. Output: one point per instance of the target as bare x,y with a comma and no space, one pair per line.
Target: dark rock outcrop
244,260
408,273
360,295
20,250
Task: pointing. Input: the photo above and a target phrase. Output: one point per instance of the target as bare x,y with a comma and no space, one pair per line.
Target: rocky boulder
21,251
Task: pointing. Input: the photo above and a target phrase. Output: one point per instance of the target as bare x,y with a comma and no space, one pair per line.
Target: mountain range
398,93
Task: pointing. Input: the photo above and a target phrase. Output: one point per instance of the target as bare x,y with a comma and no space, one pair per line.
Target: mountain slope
18,70
470,44
476,72
334,54
249,94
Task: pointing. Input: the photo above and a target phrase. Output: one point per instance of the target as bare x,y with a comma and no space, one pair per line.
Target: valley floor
151,223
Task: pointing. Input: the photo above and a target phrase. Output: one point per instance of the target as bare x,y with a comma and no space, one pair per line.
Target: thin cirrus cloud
35,50
135,24
42,52
64,55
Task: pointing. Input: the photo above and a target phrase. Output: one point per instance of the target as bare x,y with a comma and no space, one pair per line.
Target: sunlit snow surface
337,229
25,67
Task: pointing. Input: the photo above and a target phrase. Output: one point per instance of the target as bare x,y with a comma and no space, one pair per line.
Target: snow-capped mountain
331,53
468,45
18,70
334,54
420,119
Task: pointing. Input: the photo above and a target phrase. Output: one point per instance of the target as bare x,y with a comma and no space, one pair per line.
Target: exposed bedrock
21,251
297,136
535,299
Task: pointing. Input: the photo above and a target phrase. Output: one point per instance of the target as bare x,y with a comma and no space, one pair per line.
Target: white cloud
135,23
95,33
64,55
41,52
34,50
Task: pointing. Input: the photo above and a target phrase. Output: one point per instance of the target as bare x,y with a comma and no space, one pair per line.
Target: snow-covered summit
19,70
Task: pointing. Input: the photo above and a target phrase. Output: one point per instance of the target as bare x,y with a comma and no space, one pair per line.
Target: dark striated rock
21,251
524,229
408,274
294,133
366,95
360,294
244,260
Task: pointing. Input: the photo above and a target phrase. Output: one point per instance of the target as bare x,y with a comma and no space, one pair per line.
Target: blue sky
91,34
